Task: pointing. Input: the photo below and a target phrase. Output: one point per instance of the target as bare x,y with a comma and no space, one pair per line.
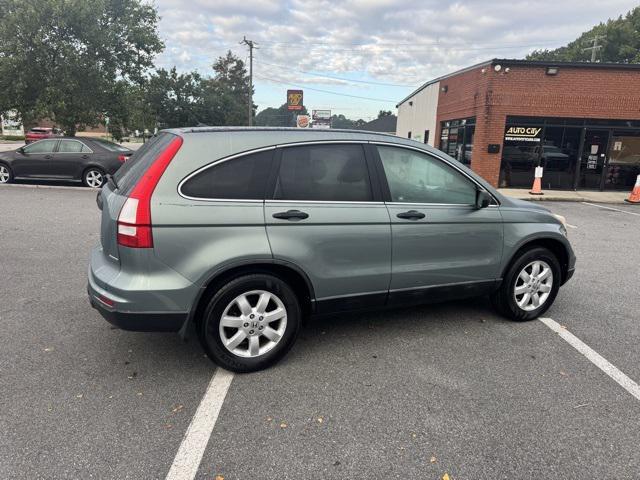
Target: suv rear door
443,246
326,217
126,179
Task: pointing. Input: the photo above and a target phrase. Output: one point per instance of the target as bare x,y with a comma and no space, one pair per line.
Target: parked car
242,232
88,160
40,133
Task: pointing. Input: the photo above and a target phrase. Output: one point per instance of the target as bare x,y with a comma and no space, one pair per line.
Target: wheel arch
554,245
289,272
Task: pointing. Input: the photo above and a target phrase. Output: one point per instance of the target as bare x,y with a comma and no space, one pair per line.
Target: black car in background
88,160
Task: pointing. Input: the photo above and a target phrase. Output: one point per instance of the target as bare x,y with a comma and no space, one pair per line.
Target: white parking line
594,357
611,208
187,461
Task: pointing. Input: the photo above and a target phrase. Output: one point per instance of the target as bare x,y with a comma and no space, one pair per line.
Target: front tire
6,174
250,323
93,177
530,286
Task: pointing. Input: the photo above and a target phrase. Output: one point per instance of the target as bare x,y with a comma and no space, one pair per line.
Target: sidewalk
567,195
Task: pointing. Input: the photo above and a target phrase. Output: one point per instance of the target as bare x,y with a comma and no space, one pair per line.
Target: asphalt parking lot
415,393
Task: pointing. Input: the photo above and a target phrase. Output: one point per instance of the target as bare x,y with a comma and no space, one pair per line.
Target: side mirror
20,150
483,199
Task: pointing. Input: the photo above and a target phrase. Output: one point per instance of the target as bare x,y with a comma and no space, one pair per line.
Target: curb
48,187
549,198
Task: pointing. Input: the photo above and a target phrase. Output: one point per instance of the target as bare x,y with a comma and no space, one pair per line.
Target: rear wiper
112,181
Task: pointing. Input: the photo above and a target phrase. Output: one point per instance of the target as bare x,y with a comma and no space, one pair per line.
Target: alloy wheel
253,323
94,178
4,174
533,285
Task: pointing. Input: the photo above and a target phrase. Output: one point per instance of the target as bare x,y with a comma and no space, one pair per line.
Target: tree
68,59
226,94
173,99
340,121
384,113
279,117
620,40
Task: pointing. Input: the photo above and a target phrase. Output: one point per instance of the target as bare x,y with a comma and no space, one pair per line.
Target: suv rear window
128,174
324,173
243,178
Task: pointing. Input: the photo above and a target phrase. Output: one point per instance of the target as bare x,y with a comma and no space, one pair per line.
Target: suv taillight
134,220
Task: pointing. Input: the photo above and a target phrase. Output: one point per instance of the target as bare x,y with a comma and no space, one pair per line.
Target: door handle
411,215
48,157
290,214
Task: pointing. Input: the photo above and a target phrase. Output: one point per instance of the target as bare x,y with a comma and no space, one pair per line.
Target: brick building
580,121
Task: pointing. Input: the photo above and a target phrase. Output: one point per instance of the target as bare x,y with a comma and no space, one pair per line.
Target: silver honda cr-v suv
242,232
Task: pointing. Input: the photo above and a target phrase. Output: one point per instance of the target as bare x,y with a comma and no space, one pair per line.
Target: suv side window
415,177
243,178
335,173
42,146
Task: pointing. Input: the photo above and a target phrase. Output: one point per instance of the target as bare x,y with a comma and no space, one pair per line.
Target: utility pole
595,47
251,45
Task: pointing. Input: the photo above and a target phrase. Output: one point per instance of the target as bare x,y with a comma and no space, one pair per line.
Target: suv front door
324,217
443,246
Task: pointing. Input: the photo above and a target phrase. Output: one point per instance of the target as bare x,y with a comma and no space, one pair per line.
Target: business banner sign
523,134
321,118
294,100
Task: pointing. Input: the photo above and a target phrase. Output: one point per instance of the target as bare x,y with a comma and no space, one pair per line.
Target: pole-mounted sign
294,100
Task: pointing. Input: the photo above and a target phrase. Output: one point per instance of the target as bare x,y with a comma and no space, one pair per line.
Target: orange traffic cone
634,197
537,182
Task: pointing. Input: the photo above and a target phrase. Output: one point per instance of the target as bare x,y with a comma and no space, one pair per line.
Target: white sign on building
9,125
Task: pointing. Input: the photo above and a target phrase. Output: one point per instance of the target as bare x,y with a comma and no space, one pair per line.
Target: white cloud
406,42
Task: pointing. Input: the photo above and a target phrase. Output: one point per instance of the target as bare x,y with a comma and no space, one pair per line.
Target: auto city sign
522,134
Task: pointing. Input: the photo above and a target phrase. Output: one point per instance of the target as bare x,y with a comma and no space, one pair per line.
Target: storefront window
559,157
456,138
624,160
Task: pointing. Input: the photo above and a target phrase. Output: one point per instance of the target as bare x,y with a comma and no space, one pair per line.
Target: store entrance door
593,159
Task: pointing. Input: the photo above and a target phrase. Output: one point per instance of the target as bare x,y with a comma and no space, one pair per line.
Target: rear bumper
149,297
138,321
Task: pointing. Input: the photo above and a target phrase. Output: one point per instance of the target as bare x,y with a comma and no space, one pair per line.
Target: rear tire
93,177
6,174
250,323
530,286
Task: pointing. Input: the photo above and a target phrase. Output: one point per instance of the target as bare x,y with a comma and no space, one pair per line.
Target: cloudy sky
371,52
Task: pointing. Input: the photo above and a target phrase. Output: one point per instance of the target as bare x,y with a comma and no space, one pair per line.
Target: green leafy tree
340,121
67,59
226,94
279,117
173,99
384,113
620,40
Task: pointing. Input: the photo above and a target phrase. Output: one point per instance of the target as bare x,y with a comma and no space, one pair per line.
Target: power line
417,44
369,48
338,78
327,91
